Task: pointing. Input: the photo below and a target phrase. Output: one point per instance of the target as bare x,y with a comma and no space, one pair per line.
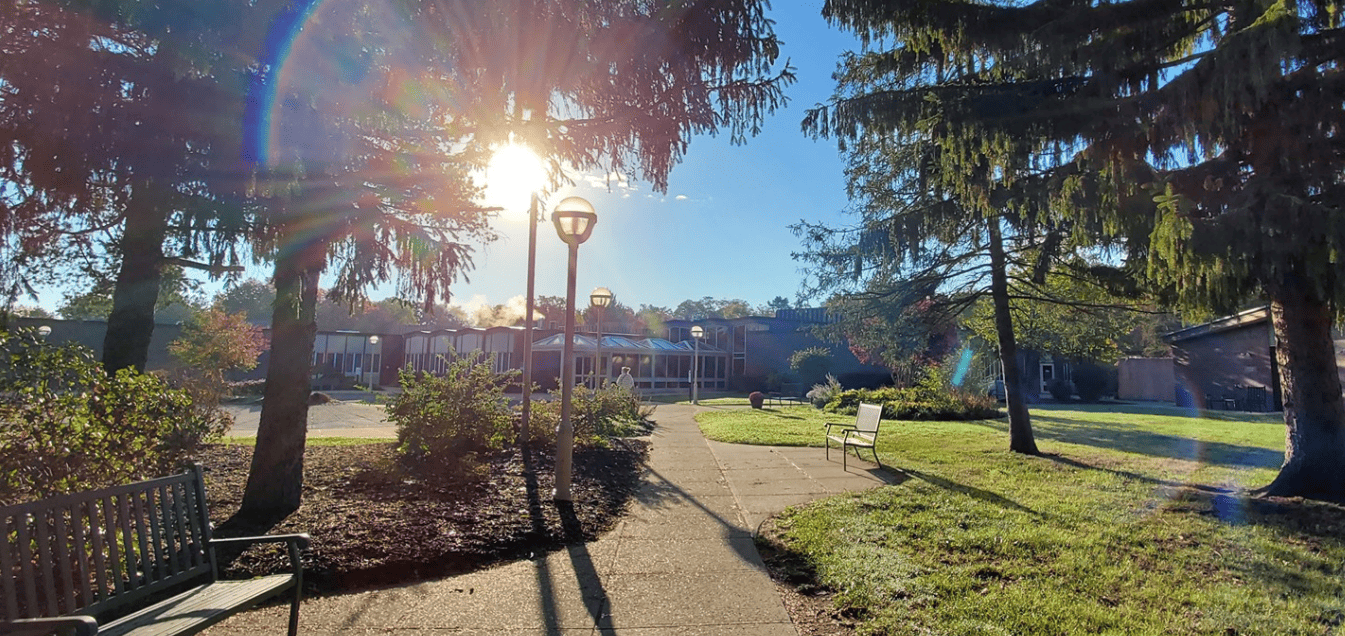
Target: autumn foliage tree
214,343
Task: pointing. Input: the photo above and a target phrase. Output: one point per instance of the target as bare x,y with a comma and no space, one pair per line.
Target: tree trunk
276,478
130,326
1314,413
1020,424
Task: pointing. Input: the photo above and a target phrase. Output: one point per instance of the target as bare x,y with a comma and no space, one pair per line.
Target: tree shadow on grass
1128,474
971,491
1122,437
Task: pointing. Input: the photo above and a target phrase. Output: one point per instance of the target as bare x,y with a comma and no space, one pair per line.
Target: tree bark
276,478
1314,412
130,325
1020,424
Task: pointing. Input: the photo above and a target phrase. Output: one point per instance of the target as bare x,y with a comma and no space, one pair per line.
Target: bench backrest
96,552
868,418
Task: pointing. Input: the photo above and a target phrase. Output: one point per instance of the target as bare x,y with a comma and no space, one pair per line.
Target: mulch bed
373,523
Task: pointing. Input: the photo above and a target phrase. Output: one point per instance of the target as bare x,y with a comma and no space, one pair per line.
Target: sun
514,173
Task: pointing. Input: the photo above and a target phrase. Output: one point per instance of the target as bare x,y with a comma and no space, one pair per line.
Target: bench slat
197,608
153,504
83,555
62,542
102,587
114,550
169,531
45,557
127,542
70,498
182,548
145,562
7,567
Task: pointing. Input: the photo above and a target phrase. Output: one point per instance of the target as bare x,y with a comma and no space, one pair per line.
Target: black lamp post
600,298
697,332
574,219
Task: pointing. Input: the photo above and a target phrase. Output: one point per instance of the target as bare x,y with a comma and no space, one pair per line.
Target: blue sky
722,228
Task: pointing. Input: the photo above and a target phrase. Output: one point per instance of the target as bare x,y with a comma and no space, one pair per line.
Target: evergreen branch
213,269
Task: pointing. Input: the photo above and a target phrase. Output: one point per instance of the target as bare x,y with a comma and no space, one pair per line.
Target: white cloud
611,181
681,197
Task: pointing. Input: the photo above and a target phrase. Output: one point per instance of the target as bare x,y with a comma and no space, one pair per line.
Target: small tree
812,364
214,342
66,424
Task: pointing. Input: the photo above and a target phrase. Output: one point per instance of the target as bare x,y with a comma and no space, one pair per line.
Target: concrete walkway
681,562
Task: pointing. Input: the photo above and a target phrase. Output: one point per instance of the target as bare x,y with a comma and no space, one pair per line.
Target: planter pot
757,399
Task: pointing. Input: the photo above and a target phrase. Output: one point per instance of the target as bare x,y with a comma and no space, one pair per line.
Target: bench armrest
297,543
82,625
829,425
301,540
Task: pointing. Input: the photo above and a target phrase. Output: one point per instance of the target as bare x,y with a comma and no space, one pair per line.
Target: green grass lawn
1133,521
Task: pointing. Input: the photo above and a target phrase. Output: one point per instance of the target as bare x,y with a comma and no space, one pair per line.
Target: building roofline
1241,319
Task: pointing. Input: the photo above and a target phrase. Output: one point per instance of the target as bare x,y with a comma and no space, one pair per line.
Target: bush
1061,389
811,364
925,401
66,425
1090,380
247,388
596,415
822,393
445,422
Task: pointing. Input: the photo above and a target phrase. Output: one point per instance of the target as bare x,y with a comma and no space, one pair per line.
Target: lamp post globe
574,219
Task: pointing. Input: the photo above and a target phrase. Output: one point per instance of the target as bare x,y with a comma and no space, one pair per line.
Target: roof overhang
1241,319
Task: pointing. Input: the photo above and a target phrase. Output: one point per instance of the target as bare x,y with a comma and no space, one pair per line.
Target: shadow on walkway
580,558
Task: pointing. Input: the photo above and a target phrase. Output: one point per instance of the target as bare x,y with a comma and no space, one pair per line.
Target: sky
721,230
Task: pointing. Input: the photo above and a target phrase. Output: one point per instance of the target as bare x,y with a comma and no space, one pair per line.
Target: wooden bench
132,560
862,434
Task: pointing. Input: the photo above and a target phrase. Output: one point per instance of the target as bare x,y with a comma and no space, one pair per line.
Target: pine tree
1205,137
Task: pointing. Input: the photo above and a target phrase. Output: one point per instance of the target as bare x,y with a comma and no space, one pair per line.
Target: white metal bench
862,434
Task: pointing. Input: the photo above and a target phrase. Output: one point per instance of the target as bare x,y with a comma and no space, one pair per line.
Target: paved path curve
681,562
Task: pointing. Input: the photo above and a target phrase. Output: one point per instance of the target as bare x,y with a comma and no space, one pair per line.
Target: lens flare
514,173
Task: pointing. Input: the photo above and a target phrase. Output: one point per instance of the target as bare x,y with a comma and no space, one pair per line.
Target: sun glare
513,174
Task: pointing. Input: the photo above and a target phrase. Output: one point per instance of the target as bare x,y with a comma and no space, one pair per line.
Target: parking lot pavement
338,418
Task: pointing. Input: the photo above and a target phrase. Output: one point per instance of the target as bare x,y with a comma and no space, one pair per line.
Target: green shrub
246,388
822,393
1090,380
66,425
596,415
811,364
925,401
445,422
1061,389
